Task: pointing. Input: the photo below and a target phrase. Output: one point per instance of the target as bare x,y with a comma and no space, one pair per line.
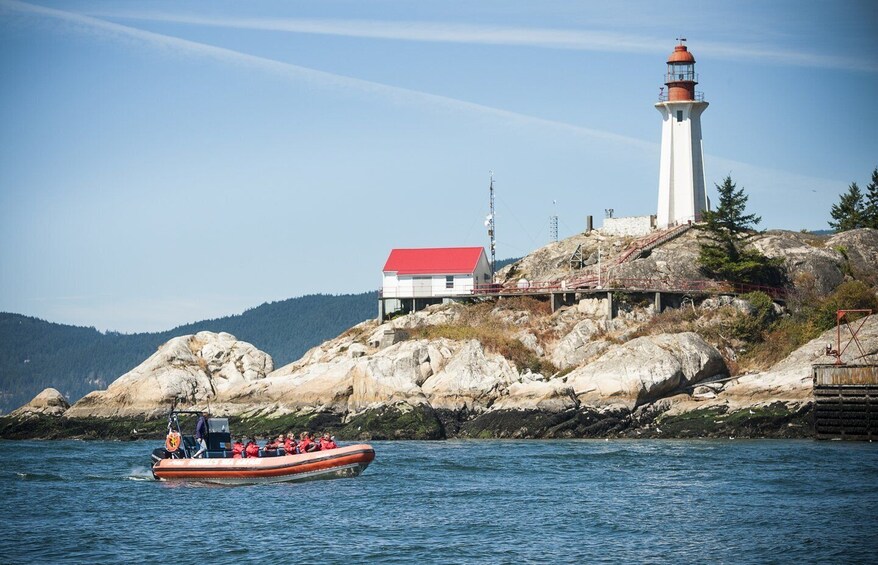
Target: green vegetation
855,209
477,323
752,327
810,316
35,354
725,255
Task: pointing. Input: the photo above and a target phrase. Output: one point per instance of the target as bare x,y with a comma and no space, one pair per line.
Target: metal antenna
553,224
490,225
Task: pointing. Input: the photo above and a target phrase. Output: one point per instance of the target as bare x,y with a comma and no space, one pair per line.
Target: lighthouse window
449,281
679,115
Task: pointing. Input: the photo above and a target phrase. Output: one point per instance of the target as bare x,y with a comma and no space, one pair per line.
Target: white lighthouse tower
682,197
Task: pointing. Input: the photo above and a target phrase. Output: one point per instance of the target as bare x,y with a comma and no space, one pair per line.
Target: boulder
645,369
49,402
191,370
582,343
471,380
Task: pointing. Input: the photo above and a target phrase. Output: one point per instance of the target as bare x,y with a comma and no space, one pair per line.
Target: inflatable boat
175,461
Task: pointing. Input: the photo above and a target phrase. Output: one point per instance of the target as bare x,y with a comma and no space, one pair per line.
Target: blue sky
165,162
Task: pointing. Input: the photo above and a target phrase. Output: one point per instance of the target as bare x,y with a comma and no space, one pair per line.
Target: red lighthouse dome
681,78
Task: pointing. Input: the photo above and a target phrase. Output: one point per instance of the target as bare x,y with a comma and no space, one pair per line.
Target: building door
422,286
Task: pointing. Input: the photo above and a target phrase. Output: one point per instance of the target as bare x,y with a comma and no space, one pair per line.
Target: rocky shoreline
392,423
511,368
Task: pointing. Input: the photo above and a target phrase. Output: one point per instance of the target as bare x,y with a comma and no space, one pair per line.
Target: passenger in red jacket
306,444
237,449
290,444
252,449
270,444
326,442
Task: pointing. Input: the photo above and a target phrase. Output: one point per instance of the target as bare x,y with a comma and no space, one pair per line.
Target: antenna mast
489,223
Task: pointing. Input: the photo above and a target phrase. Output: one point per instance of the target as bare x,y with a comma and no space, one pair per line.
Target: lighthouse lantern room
682,197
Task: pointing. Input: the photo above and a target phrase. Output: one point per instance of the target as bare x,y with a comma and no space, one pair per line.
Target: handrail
590,282
699,97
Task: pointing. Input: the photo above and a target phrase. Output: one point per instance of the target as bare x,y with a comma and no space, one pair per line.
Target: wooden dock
846,401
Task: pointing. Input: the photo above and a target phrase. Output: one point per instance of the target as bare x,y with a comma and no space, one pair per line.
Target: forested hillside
35,354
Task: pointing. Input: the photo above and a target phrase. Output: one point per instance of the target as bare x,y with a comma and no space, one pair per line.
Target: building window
449,281
679,115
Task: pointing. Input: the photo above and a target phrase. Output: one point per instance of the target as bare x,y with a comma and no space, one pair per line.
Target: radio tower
489,223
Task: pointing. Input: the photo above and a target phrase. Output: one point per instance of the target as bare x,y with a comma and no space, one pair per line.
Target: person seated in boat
306,444
237,449
270,445
327,442
279,444
252,449
290,444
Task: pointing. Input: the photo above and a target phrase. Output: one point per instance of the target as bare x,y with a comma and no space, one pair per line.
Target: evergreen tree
850,211
870,206
725,255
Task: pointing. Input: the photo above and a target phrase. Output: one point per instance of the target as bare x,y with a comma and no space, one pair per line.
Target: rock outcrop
49,402
188,370
646,369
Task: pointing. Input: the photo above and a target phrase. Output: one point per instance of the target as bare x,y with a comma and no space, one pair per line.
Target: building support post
381,312
658,302
610,306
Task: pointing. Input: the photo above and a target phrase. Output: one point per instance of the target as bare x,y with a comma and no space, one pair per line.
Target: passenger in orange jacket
237,449
290,444
252,449
326,442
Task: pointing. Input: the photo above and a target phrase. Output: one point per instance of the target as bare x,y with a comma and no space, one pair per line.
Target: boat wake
38,477
140,474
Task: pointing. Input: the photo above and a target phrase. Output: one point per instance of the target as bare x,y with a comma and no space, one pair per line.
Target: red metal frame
839,351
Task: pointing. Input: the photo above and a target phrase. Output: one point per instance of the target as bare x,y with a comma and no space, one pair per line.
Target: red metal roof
681,54
434,261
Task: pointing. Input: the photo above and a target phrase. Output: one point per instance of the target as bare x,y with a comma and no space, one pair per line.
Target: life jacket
327,444
252,449
271,445
289,446
237,450
304,444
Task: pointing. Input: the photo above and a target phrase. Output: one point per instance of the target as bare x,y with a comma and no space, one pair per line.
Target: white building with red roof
416,278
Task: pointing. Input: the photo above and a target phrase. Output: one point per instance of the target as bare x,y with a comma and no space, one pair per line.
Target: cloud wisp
314,77
584,40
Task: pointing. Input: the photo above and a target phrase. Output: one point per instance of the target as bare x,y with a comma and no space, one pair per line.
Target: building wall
409,286
682,196
635,226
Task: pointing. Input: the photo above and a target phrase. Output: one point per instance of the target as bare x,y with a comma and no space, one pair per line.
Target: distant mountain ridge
36,354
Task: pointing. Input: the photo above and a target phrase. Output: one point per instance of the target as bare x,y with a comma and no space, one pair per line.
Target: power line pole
489,223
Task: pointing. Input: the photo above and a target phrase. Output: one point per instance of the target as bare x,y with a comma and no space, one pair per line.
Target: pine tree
725,255
849,212
870,205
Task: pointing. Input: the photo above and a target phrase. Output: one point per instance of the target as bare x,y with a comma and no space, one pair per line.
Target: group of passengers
283,445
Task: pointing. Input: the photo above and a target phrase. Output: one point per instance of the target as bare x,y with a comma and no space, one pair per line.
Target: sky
167,162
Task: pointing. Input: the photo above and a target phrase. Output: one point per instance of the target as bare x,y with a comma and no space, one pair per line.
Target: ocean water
588,501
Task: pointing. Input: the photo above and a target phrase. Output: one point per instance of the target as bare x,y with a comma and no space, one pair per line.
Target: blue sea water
588,501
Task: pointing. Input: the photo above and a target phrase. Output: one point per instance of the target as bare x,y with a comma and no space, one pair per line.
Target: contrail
584,40
316,77
343,83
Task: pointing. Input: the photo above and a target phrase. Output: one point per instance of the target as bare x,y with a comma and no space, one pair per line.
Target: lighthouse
682,197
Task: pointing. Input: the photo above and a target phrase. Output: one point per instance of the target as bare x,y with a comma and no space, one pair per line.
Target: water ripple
456,502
